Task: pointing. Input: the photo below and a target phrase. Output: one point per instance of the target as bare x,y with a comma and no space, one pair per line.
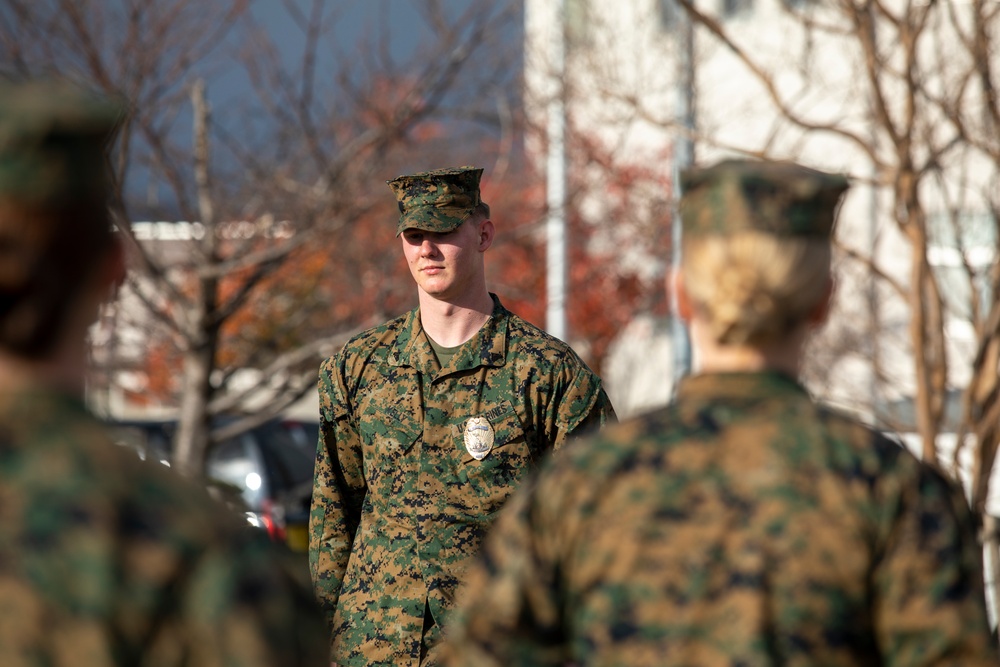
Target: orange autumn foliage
352,277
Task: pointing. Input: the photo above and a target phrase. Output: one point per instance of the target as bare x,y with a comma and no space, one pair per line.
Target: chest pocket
500,471
389,426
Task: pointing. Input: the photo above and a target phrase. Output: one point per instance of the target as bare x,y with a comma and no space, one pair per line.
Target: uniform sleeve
338,489
580,408
508,608
929,604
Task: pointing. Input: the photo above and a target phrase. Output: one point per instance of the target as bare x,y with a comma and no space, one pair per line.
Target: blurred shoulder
119,496
619,448
877,452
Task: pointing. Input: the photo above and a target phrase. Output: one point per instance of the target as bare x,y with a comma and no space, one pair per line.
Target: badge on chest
478,437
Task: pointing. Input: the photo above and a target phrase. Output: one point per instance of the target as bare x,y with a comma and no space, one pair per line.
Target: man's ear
821,311
487,232
677,291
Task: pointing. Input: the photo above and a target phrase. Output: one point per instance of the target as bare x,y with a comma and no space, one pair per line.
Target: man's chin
435,289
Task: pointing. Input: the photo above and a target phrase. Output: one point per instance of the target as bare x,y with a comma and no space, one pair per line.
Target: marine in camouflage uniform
744,524
105,560
416,457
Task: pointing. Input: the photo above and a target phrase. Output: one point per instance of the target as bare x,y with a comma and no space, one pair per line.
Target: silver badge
478,437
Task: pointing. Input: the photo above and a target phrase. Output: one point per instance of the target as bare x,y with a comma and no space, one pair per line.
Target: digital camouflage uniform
106,560
742,525
401,503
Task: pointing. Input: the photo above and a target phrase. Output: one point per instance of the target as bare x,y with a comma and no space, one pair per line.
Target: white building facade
792,79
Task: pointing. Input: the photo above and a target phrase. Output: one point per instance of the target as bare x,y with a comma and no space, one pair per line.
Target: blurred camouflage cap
780,198
436,201
53,137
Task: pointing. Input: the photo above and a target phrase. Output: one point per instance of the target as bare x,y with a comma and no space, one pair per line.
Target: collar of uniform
710,386
488,347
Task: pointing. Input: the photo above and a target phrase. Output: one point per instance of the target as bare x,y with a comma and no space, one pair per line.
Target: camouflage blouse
414,461
108,560
742,525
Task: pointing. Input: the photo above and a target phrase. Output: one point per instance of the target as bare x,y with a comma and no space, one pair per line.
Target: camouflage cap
781,198
436,201
52,141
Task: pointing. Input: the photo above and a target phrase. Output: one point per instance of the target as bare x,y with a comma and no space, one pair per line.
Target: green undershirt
443,354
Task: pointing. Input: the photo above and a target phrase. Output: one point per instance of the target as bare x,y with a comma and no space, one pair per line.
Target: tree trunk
194,421
991,543
924,335
202,331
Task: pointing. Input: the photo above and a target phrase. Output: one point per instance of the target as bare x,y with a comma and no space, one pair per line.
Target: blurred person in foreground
427,424
105,560
744,524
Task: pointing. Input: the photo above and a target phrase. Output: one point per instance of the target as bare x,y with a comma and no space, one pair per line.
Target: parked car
306,436
269,467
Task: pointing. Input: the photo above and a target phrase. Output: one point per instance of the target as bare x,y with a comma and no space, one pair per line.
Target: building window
736,7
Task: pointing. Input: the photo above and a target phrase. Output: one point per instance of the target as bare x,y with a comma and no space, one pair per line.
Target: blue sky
391,28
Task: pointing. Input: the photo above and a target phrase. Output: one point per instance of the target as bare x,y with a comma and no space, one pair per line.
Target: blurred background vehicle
265,472
306,436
